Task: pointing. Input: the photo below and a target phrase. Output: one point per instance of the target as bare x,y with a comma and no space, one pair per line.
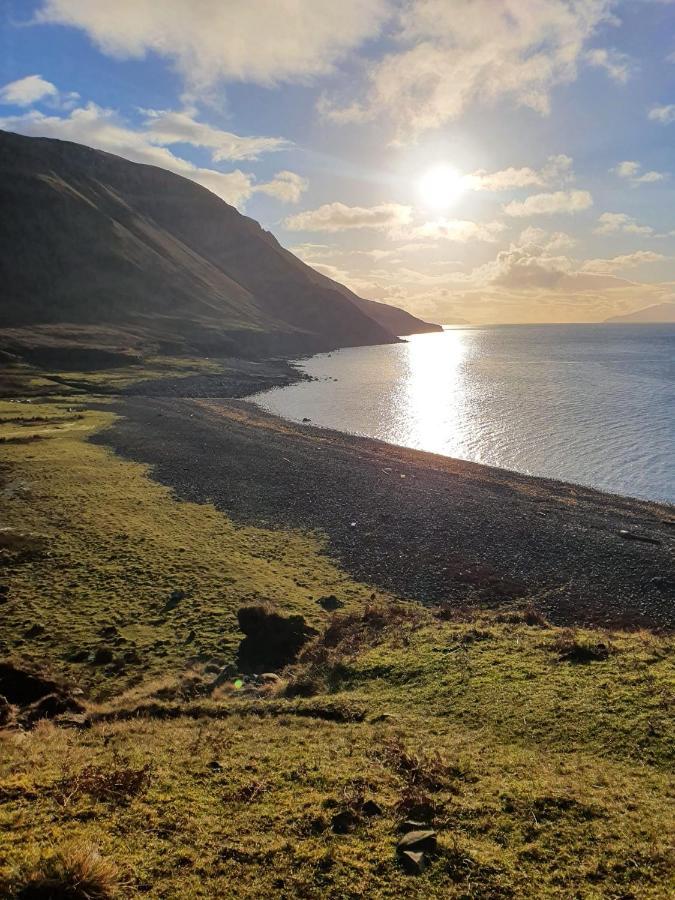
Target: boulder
22,687
108,631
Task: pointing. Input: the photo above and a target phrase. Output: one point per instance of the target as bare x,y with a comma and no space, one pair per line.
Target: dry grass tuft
119,784
529,615
76,872
420,770
352,632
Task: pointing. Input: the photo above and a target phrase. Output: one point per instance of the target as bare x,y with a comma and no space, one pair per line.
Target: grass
98,549
543,761
20,380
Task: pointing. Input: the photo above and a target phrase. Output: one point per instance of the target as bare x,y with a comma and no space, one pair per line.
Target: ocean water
590,404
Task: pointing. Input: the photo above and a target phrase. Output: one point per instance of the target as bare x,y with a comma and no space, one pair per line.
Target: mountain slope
395,320
661,312
92,239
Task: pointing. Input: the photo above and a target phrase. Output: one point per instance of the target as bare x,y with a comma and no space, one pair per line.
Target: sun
441,186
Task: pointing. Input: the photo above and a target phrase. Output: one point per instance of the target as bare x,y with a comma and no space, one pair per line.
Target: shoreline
426,527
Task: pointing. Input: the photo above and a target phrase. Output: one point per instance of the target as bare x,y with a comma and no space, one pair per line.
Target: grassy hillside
541,756
95,240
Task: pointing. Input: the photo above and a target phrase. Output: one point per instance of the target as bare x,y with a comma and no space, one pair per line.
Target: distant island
661,312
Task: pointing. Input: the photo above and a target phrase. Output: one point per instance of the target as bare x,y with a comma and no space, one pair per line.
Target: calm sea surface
592,404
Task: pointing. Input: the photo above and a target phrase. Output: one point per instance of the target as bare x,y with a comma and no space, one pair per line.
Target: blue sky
491,159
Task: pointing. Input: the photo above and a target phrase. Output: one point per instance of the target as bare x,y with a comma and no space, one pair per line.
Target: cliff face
91,239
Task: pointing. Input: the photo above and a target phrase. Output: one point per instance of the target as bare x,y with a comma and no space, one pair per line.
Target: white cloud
617,65
627,169
35,89
453,55
630,169
340,217
615,223
27,91
285,186
558,240
663,114
532,269
100,128
166,127
556,170
626,261
263,41
459,230
550,204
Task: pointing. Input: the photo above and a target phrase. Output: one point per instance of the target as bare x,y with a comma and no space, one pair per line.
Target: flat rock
414,825
418,841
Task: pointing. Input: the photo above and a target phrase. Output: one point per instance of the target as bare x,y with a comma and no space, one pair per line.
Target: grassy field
542,757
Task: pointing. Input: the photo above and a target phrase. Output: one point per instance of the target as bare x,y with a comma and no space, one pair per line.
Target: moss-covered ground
545,774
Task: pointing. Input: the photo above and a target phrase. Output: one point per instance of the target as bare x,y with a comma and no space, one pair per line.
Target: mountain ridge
659,312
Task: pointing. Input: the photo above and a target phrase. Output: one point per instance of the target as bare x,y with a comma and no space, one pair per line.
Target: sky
489,160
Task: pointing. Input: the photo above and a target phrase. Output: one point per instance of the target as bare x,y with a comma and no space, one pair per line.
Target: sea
589,404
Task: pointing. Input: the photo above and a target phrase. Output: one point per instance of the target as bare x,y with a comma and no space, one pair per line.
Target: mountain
92,242
662,312
395,320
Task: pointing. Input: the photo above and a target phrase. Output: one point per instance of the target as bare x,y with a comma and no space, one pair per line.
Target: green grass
22,380
111,546
545,777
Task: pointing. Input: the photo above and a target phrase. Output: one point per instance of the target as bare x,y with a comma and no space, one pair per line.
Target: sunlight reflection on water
591,404
433,367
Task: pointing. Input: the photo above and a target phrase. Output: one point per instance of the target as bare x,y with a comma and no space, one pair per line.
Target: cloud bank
262,41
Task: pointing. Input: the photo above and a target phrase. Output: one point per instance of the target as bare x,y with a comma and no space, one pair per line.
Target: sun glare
441,186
